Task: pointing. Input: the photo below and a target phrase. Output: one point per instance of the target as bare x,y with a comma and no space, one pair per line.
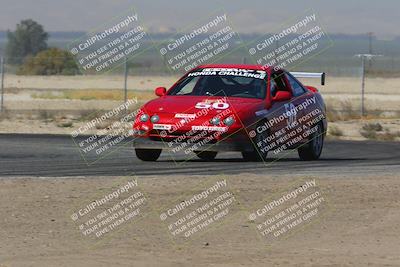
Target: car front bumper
223,145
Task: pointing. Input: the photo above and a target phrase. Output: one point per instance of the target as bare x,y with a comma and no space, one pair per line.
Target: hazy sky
338,16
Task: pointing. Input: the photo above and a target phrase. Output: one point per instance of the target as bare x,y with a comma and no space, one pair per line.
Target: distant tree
53,61
28,39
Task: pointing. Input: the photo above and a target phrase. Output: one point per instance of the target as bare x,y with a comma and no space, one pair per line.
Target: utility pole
363,86
2,84
363,58
370,35
126,82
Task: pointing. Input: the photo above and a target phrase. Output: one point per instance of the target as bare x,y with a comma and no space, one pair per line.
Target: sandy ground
333,84
380,93
359,226
86,82
351,129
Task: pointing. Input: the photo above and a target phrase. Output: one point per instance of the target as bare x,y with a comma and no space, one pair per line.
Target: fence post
362,86
2,84
126,82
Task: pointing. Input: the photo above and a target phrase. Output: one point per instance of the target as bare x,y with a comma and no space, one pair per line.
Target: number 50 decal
291,109
215,105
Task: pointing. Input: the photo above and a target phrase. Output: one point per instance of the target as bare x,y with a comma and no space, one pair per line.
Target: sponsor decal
257,74
185,116
215,105
209,128
162,126
291,110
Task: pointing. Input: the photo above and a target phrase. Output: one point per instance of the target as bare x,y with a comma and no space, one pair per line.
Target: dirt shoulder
359,227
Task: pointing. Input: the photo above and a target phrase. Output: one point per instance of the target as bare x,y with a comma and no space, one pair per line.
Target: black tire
251,156
258,154
206,155
313,149
148,154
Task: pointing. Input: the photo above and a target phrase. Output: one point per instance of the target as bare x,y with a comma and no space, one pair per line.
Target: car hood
186,104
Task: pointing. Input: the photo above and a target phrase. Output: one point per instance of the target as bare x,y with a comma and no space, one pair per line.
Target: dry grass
5,114
369,130
102,82
376,127
93,94
388,136
346,112
335,131
65,124
46,115
375,131
332,114
349,112
87,115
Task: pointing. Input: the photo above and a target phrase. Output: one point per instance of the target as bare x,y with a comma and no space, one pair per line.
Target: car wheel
206,155
250,156
312,150
258,154
148,154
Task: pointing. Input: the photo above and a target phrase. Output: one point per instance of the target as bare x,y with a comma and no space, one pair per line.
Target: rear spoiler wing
320,75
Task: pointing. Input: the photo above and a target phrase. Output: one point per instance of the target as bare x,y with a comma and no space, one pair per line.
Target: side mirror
282,96
160,91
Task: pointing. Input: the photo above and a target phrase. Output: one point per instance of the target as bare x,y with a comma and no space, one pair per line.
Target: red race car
247,108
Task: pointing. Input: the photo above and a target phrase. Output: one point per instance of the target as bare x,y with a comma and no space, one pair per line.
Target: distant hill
160,36
338,59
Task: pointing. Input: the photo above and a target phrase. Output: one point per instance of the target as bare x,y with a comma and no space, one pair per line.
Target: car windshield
223,82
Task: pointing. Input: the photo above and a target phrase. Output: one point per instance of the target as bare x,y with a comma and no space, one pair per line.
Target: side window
273,87
277,83
296,87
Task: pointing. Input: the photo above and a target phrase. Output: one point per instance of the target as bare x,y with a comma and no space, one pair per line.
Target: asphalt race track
23,155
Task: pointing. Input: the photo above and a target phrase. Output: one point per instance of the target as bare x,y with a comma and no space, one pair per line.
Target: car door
301,96
277,118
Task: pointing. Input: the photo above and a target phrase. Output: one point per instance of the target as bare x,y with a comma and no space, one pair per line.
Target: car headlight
229,121
144,117
154,118
215,121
